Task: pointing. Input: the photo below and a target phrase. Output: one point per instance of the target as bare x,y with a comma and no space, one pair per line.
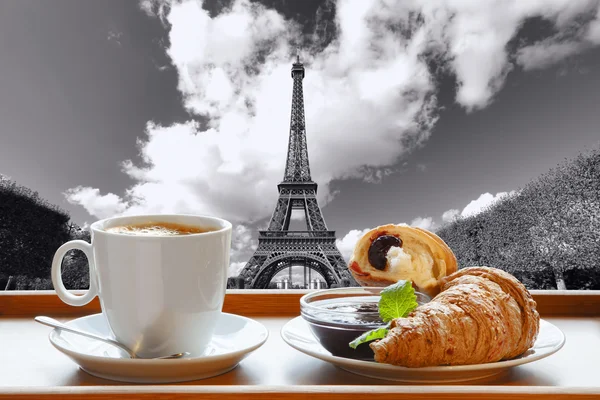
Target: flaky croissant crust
481,315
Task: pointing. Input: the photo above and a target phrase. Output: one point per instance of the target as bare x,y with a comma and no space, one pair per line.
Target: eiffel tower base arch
277,251
268,272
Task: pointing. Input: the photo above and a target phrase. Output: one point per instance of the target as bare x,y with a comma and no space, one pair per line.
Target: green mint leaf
397,301
368,336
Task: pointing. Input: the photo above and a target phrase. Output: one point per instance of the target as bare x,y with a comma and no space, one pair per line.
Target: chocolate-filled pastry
390,253
482,315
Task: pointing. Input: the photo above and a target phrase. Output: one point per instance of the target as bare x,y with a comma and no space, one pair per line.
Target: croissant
390,253
481,315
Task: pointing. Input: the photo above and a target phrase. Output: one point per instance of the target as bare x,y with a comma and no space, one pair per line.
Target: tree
31,230
547,234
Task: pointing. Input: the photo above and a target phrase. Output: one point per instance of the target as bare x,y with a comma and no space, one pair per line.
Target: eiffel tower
280,248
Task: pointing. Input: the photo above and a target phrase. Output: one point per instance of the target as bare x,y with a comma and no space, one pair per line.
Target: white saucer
297,334
235,337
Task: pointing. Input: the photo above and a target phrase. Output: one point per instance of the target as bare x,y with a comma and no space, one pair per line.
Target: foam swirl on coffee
158,229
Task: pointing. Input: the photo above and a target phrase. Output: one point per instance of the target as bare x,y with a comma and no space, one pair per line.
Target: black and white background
417,111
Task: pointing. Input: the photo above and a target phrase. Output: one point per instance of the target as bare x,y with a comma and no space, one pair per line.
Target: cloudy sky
416,111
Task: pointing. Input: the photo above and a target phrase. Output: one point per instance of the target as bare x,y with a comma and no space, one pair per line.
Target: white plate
235,337
297,334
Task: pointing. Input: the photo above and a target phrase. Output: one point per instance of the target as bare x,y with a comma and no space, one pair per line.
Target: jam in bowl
338,316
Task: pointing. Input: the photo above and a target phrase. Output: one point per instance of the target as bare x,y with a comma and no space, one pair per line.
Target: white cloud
473,208
101,206
242,243
551,50
473,35
370,96
347,243
482,202
593,31
231,168
546,53
154,8
424,222
242,238
242,246
450,215
235,268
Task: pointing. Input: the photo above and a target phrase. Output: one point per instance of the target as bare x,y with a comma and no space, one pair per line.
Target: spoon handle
56,324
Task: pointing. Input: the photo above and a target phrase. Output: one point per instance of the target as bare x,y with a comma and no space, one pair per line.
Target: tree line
31,230
547,234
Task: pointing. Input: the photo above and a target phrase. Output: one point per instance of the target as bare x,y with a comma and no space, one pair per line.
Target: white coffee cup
161,295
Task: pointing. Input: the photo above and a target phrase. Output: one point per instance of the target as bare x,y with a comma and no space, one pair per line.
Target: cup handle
61,291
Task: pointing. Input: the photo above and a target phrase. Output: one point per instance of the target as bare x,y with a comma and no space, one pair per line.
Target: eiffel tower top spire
297,169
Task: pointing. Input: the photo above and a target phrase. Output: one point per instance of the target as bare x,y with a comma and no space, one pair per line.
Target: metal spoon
56,324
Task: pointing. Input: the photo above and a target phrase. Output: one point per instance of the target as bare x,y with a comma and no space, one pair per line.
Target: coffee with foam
159,229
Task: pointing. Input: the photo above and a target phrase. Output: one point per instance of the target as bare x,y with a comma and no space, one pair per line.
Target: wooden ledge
318,392
277,303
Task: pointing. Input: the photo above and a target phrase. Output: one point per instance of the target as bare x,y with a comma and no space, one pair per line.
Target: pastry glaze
481,315
432,259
